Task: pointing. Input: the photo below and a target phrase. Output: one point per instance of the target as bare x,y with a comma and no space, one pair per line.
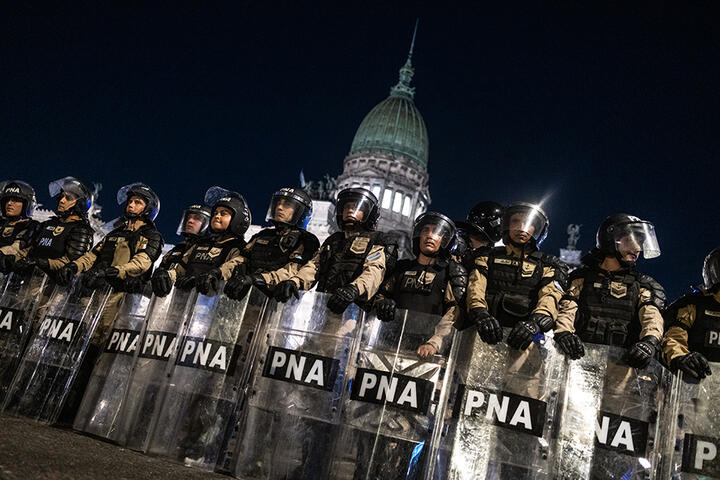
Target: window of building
387,198
376,190
397,202
407,206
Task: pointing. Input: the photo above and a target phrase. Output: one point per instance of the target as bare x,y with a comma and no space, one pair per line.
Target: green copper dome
395,124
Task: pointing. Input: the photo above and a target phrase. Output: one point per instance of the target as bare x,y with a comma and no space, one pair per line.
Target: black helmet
200,211
485,219
137,189
76,188
621,227
301,203
20,190
533,217
222,197
711,268
437,224
364,201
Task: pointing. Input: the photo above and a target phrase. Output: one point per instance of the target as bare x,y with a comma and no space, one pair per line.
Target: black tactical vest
210,253
21,229
175,254
512,289
704,335
420,288
342,259
53,237
607,307
272,249
130,239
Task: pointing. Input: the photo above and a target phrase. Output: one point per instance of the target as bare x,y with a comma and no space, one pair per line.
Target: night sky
604,108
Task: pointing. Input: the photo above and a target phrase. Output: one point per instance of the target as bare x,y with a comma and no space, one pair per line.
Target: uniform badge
7,231
426,278
528,269
618,289
58,230
360,245
503,261
214,252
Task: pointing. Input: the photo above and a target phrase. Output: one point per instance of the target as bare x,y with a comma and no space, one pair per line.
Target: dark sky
602,107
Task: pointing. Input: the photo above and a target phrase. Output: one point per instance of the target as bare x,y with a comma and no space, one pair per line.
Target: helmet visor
193,222
711,269
285,209
525,219
354,208
69,185
635,237
434,232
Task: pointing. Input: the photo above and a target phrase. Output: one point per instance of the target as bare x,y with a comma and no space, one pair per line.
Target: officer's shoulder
265,232
151,232
334,238
648,282
385,239
308,239
580,272
83,226
687,299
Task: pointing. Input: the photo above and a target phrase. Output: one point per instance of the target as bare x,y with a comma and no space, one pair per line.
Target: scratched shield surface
207,379
691,434
611,417
291,420
502,413
397,399
105,392
55,353
20,298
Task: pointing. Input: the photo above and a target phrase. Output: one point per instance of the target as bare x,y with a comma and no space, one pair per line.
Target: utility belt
510,308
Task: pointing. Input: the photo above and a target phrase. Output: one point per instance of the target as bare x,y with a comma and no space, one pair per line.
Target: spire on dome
403,88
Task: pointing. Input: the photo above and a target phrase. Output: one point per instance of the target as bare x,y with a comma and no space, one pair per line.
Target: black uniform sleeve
391,251
458,279
79,241
561,271
311,245
154,246
657,297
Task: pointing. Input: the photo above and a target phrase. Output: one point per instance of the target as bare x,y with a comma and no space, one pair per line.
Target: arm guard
154,245
311,246
79,241
561,271
391,251
657,297
458,279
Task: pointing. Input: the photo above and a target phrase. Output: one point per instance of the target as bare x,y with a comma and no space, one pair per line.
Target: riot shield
502,408
56,351
20,298
110,378
609,420
397,399
165,321
292,414
206,379
691,435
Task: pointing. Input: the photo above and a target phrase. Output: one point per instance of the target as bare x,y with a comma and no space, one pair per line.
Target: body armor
210,253
55,238
704,335
273,248
175,254
421,288
121,245
21,230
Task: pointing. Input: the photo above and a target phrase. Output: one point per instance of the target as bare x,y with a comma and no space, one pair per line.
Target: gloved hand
343,296
27,264
385,309
186,283
694,364
487,326
286,289
544,322
110,272
570,344
6,262
522,334
161,282
207,283
238,286
94,278
642,352
66,274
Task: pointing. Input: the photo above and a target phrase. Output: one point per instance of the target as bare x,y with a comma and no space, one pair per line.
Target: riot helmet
711,269
75,189
19,191
485,219
621,235
137,189
233,201
290,206
361,207
528,219
195,221
439,233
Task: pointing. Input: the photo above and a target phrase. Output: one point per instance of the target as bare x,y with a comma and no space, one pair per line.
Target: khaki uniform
221,253
15,236
694,326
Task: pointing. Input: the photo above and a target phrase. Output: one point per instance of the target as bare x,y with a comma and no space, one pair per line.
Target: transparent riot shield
20,298
691,434
609,420
397,399
56,352
502,408
292,416
165,321
206,379
110,378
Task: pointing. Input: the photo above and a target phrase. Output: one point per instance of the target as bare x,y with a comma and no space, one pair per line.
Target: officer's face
519,231
193,224
135,205
284,211
13,207
66,202
430,240
221,219
629,248
350,214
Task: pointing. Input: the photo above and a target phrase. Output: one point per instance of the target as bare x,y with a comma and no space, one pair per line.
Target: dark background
599,107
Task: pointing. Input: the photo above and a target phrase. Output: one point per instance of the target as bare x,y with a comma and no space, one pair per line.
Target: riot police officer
192,227
17,203
66,236
275,254
351,263
516,285
609,301
433,282
209,260
478,232
692,337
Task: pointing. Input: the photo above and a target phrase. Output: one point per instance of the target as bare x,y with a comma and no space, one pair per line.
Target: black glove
522,334
26,265
487,326
110,272
343,296
93,278
285,290
66,274
238,285
544,322
642,352
161,282
694,364
570,344
207,283
185,283
385,309
7,262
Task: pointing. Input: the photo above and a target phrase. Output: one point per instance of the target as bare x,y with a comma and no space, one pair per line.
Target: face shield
195,221
284,209
69,185
434,230
526,219
635,237
711,269
354,208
